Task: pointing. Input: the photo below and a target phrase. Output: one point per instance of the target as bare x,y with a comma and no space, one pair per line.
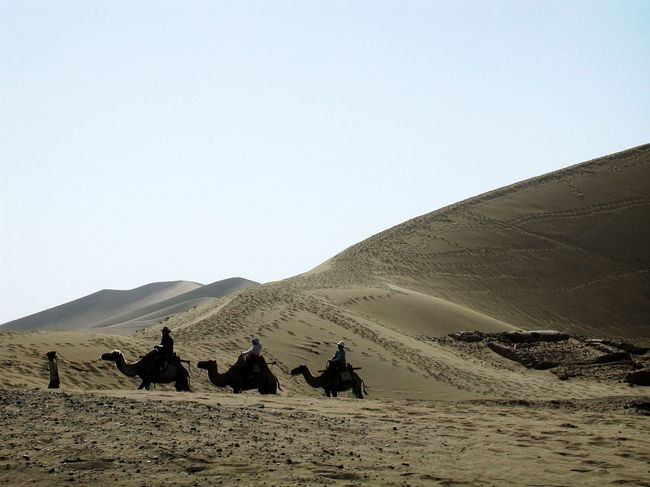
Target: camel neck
219,380
310,379
127,369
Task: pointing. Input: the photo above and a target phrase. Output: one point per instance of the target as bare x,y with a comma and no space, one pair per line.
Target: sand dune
126,311
100,306
564,251
491,263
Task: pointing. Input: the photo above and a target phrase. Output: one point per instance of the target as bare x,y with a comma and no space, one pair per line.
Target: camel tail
278,382
363,384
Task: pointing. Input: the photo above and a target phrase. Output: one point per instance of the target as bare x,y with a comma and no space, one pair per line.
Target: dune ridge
123,311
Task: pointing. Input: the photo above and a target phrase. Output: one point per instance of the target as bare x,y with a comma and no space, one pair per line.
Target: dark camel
332,387
265,382
147,368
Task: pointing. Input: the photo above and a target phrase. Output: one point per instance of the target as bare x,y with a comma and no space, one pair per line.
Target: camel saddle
252,366
343,374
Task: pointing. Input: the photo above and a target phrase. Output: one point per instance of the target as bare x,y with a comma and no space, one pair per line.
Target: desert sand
135,438
564,251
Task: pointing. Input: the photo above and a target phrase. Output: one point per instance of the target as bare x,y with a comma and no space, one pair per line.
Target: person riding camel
165,349
337,362
248,359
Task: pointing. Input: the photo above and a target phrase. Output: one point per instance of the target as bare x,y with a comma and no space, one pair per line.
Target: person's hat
166,330
341,344
256,341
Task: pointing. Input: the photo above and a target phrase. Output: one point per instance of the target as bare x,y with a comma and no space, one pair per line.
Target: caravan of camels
251,371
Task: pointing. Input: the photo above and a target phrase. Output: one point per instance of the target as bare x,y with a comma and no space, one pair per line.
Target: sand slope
568,250
562,251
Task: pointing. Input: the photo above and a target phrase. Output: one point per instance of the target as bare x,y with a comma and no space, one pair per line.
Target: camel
266,382
148,370
330,386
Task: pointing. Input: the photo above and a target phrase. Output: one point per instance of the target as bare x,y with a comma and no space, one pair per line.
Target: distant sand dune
126,311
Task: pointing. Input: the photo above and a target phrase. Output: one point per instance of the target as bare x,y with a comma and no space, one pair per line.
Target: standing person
165,349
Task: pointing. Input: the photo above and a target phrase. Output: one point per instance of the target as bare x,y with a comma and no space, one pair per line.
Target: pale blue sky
148,141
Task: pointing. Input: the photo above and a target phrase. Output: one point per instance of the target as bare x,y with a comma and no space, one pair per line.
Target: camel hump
149,354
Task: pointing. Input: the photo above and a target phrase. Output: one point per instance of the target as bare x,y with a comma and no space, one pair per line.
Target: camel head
299,370
111,356
206,364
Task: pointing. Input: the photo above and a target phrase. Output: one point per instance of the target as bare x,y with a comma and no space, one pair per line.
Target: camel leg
182,385
335,393
142,386
268,385
327,391
263,388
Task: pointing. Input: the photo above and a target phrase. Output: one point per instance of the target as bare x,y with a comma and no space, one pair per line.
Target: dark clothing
339,358
166,345
165,352
336,364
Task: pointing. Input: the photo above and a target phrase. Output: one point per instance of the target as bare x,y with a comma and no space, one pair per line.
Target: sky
200,140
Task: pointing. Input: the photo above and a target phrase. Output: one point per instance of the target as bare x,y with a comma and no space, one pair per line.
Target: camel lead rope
275,362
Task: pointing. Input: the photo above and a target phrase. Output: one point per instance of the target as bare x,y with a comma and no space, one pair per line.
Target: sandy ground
168,438
527,427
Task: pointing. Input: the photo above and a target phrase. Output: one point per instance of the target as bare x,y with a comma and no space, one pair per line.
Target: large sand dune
561,251
568,250
565,251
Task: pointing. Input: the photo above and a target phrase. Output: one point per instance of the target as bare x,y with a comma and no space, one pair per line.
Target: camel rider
337,362
249,358
165,349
